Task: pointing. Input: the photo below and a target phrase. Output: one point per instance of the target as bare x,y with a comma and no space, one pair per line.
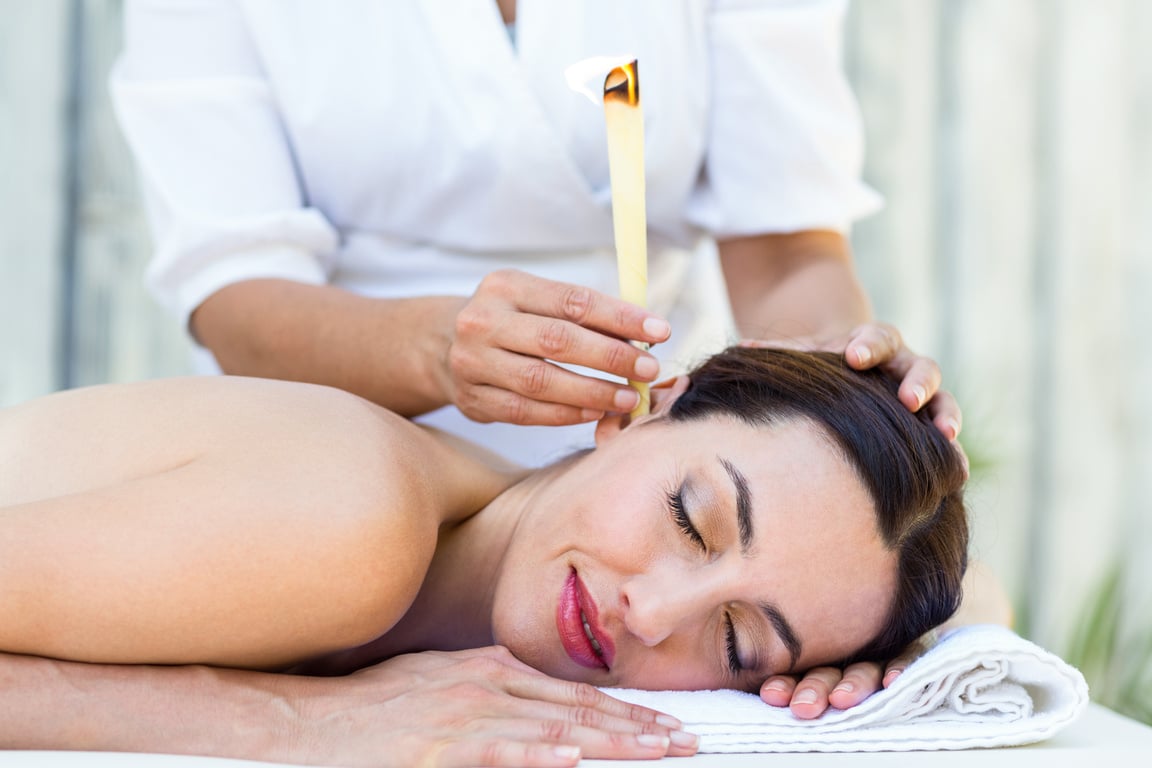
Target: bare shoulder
116,433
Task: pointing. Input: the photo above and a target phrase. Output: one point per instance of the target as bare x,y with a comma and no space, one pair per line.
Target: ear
662,397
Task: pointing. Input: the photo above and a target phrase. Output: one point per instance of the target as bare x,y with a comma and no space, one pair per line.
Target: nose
655,605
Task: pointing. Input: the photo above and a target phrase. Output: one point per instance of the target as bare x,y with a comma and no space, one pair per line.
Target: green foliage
1113,652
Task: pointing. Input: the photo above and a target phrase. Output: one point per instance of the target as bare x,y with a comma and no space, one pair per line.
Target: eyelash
733,656
680,516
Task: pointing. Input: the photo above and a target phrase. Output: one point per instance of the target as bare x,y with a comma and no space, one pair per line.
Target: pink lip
574,599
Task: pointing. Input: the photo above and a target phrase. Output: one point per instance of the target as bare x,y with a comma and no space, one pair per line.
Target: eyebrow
743,505
784,630
744,520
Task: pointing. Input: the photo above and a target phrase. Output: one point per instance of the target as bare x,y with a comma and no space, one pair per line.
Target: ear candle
625,121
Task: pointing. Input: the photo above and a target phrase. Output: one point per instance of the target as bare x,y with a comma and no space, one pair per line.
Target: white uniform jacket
409,147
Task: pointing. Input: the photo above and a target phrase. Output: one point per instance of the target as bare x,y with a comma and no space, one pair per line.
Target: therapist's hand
501,364
880,345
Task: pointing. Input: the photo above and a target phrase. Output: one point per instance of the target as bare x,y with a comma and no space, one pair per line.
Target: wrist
439,335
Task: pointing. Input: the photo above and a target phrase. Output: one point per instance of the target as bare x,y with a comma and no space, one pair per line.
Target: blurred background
1013,142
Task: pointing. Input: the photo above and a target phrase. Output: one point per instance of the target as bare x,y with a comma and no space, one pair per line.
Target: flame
590,77
623,84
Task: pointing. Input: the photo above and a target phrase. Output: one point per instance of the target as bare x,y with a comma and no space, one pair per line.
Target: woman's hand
823,687
501,364
477,707
808,697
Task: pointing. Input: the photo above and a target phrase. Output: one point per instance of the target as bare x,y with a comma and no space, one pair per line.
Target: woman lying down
169,549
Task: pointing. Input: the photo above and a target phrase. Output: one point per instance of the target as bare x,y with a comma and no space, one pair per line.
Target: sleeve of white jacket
218,173
785,145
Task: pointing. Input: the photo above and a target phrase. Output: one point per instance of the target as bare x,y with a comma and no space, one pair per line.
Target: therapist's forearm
800,285
390,351
53,705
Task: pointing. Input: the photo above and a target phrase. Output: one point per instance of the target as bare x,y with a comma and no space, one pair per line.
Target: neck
453,610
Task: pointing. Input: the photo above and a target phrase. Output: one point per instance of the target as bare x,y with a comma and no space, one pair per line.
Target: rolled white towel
977,686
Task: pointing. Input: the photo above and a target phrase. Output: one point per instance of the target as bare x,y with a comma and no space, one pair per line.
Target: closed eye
680,516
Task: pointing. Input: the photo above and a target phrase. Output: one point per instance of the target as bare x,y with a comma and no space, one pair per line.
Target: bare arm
390,351
479,707
797,285
487,354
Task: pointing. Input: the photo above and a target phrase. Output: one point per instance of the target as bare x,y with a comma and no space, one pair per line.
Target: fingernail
921,395
804,696
846,686
652,740
626,399
669,722
953,425
890,676
863,355
646,367
656,328
777,685
684,740
587,414
567,753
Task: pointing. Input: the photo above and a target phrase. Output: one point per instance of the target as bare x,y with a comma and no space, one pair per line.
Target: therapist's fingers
945,413
920,383
873,344
576,304
565,342
516,326
493,384
488,402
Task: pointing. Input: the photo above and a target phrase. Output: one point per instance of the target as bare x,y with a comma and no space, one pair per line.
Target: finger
566,342
896,667
578,304
497,385
487,404
680,742
777,690
524,390
920,382
872,344
945,413
810,698
499,753
592,742
542,688
858,682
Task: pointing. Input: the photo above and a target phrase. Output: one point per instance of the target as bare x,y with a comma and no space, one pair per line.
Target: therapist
406,200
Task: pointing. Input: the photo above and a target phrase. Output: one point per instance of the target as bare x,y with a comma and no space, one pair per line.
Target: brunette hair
913,474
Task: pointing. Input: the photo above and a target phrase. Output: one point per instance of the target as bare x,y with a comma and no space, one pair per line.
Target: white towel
977,686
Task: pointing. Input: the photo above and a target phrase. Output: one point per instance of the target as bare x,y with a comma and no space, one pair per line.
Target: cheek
621,528
673,668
